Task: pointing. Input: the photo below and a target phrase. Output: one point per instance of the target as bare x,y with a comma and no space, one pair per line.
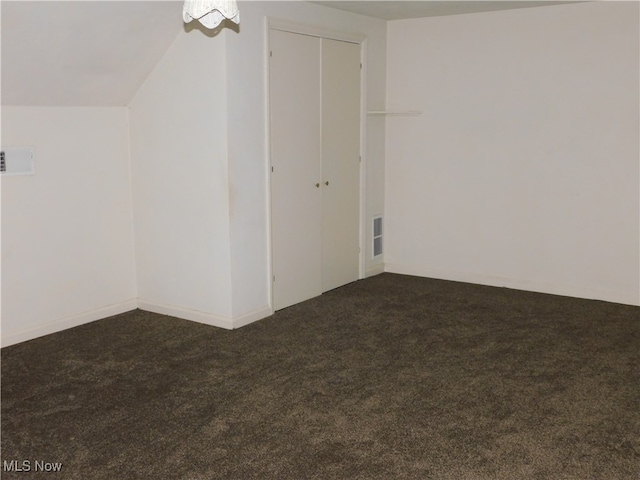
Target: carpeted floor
392,377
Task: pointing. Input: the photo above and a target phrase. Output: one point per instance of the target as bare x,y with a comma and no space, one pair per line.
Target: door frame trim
312,30
273,23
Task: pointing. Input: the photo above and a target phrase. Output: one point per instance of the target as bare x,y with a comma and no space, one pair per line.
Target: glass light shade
210,13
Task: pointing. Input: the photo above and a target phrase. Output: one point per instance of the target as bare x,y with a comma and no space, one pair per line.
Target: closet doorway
314,124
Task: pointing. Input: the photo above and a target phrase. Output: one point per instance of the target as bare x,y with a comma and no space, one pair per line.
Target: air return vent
377,236
17,161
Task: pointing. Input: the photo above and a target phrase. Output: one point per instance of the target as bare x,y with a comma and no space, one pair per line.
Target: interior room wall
523,169
200,165
248,134
67,234
180,182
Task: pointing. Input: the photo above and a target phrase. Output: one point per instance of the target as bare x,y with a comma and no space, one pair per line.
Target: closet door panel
294,95
340,162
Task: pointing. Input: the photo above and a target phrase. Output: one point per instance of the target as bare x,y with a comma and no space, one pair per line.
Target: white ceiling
98,53
82,53
397,10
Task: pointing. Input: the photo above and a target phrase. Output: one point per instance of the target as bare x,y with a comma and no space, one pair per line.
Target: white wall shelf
394,113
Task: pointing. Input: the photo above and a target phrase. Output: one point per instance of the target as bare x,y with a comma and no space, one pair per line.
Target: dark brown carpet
393,377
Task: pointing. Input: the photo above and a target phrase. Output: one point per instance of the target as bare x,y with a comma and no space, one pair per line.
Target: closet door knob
327,183
317,185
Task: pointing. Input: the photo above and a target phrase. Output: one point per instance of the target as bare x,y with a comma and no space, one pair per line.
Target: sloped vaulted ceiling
82,53
98,53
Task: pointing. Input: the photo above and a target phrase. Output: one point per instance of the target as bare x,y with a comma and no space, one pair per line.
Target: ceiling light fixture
210,13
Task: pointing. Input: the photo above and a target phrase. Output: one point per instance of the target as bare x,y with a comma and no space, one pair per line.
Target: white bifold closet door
314,99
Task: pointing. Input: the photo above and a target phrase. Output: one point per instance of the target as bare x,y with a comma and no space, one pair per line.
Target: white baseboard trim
186,314
374,270
252,316
220,321
7,339
516,284
67,322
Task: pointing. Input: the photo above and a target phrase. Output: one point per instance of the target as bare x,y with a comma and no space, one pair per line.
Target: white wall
67,236
180,182
523,170
193,198
163,205
200,165
248,155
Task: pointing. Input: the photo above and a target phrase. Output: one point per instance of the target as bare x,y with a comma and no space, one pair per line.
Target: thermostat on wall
17,161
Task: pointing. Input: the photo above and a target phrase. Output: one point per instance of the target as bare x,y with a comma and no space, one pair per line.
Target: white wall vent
377,236
17,161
